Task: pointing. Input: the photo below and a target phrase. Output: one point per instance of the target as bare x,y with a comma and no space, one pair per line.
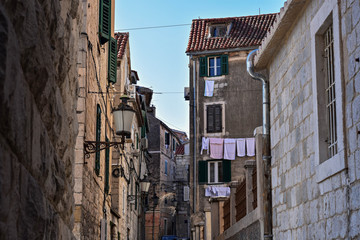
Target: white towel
240,142
209,88
250,147
229,149
208,191
204,145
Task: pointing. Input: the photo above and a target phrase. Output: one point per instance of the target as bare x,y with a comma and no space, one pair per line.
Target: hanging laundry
240,142
208,191
213,191
216,148
250,147
229,148
204,145
209,88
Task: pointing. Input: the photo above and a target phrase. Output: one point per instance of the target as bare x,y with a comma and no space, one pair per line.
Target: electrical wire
153,27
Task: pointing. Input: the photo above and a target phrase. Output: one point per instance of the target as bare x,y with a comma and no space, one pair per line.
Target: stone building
311,57
225,105
38,122
161,218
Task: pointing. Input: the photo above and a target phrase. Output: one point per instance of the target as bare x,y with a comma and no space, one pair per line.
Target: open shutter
203,172
218,118
98,135
203,67
210,114
224,65
226,170
112,64
107,167
104,21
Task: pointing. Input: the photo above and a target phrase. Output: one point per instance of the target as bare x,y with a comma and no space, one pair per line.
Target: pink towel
216,148
229,149
240,147
250,147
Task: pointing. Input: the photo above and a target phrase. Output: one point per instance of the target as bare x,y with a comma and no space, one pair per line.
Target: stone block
354,223
349,92
357,164
80,105
357,82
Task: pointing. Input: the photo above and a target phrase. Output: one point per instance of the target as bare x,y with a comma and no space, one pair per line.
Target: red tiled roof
122,39
245,32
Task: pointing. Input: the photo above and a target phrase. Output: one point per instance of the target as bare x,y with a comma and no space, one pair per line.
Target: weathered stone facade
38,123
308,204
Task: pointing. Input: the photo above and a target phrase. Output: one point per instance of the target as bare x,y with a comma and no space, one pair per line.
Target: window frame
222,132
166,167
216,172
204,66
327,14
216,74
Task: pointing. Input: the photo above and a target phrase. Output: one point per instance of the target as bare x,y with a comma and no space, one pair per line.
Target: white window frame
217,134
335,164
215,66
216,169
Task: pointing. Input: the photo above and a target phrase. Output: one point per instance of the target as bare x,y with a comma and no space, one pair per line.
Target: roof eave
215,51
272,42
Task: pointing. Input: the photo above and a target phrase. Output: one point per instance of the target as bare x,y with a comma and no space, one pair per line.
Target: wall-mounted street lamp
123,117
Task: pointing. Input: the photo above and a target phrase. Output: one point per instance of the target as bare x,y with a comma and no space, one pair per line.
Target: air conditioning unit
187,93
144,143
131,91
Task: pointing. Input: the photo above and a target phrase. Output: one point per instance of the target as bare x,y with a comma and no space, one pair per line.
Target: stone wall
38,123
303,207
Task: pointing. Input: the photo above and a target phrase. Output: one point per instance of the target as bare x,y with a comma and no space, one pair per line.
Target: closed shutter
210,114
226,170
203,172
224,65
203,67
104,21
107,167
218,118
112,63
98,135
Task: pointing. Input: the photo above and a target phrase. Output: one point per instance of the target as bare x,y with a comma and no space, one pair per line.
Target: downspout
266,144
194,126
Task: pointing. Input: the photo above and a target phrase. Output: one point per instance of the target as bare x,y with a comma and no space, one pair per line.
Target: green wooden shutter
107,168
112,63
203,172
217,118
203,67
224,65
98,135
210,113
226,170
104,21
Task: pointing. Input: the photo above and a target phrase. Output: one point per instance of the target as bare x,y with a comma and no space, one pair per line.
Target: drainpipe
194,138
266,144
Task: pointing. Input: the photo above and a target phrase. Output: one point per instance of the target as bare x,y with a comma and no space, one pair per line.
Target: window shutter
186,193
112,63
210,113
98,135
218,118
224,65
203,67
107,163
226,170
203,172
104,21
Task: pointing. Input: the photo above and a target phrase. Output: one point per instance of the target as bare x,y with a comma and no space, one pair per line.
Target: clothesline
226,148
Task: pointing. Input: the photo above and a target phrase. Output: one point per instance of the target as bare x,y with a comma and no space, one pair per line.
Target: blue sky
158,55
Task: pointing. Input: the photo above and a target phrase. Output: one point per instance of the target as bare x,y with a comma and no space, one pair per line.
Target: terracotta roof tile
122,39
245,32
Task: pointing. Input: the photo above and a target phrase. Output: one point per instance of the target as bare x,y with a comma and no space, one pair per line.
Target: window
327,89
98,135
218,30
186,193
174,145
107,163
167,139
214,118
213,66
214,171
166,167
165,226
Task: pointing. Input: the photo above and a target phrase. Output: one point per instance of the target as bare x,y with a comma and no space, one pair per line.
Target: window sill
330,167
222,77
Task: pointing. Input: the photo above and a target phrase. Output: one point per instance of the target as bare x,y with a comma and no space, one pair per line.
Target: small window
214,171
218,31
166,167
167,139
214,118
174,145
213,66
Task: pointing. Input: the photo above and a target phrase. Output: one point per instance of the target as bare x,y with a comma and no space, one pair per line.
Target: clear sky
158,54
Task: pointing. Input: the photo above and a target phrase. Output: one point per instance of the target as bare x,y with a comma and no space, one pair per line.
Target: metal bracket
94,146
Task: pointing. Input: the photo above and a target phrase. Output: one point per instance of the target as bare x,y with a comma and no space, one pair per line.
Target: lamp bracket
94,146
